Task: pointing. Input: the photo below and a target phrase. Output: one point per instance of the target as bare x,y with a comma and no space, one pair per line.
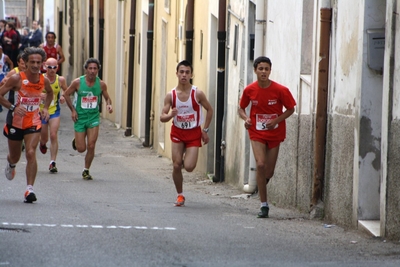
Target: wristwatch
12,108
205,130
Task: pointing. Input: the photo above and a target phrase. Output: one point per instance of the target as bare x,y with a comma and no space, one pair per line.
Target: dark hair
261,59
20,56
11,25
32,51
4,21
55,37
92,60
185,63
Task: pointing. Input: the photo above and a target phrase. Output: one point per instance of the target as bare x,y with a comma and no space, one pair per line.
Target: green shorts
86,121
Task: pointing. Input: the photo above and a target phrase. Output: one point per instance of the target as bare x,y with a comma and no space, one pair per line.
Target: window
235,43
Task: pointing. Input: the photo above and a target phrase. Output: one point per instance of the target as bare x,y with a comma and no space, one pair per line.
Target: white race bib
263,119
89,102
30,103
186,121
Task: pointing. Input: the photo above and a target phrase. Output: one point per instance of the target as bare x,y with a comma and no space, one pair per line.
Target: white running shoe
10,172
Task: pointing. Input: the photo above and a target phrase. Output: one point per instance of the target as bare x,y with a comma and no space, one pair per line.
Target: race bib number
263,119
30,103
186,121
89,102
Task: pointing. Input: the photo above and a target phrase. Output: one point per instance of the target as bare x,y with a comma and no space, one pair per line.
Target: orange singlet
29,97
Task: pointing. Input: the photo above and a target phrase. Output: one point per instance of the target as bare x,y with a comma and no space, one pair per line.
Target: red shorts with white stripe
190,137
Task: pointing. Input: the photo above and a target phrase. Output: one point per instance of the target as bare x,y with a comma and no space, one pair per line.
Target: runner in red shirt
185,102
23,122
266,123
53,50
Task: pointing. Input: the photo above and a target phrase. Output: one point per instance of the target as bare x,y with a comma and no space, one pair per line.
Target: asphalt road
126,217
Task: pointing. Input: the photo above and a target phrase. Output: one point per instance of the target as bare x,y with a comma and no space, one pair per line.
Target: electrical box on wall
376,48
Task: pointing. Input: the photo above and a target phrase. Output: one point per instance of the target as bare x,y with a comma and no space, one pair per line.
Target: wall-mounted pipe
219,145
149,74
131,71
91,29
321,113
101,36
189,30
259,43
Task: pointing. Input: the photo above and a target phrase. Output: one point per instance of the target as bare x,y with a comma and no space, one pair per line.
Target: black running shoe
30,196
73,144
263,213
86,175
53,168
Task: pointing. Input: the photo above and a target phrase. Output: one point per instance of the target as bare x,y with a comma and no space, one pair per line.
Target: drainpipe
321,113
149,74
189,30
219,143
101,36
129,110
258,51
91,28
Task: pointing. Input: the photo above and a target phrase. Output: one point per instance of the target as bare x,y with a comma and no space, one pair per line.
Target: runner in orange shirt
23,122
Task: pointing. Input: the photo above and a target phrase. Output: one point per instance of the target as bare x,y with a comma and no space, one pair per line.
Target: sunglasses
52,67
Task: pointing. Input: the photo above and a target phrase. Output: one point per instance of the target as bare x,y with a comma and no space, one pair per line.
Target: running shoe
53,168
263,213
180,201
43,148
86,175
9,171
73,144
30,196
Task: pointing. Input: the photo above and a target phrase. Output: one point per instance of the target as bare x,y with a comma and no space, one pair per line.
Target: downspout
91,28
131,71
101,36
220,102
261,19
189,30
321,113
149,74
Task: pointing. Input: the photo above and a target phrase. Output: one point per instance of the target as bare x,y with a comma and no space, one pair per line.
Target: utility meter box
376,48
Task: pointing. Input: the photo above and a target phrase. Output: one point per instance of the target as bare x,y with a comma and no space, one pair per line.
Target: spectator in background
24,39
35,37
2,29
11,42
5,64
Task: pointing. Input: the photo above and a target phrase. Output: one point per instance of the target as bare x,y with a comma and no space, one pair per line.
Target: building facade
338,58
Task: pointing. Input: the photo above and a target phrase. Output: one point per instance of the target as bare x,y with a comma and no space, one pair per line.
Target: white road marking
90,226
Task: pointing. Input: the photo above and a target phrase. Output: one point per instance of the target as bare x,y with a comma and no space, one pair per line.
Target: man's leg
178,149
54,124
14,154
44,134
92,134
31,142
177,154
191,156
265,161
80,141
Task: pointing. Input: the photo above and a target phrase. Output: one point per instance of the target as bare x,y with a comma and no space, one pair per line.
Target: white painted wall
48,17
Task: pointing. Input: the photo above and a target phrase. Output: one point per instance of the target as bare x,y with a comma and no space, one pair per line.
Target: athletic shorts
85,122
17,134
190,137
52,116
270,144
